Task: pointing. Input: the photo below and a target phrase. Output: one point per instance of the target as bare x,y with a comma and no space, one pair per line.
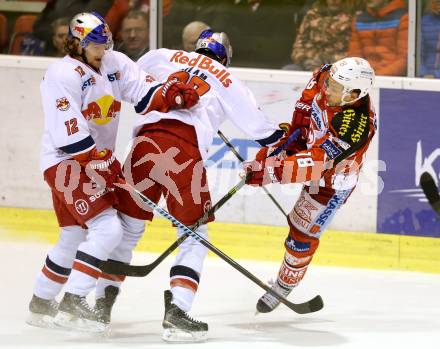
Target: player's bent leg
43,307
105,233
185,277
108,286
308,219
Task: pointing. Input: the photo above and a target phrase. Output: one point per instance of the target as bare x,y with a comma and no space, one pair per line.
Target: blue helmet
217,43
90,27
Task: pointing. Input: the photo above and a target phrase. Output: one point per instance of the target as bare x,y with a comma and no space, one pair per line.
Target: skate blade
73,323
175,335
41,320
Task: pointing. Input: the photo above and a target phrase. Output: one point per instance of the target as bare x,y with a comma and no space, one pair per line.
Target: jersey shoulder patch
352,126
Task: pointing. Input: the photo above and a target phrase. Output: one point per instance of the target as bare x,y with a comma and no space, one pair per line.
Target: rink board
386,200
256,242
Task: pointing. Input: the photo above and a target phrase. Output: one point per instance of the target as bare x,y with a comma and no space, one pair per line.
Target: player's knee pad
133,229
63,253
104,234
192,253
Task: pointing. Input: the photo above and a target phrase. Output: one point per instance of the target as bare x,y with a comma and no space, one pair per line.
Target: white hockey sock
133,229
104,234
46,288
182,297
56,270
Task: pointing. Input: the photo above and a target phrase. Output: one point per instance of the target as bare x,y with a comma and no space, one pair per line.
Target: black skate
267,302
42,312
75,313
178,326
104,304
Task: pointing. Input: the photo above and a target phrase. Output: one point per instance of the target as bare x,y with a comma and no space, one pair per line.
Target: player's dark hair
210,54
71,47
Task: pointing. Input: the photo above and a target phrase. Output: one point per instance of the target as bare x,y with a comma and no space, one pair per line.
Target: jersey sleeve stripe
81,146
143,105
274,137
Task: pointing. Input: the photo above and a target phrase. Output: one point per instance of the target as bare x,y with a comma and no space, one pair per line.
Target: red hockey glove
178,95
190,97
102,167
263,172
301,116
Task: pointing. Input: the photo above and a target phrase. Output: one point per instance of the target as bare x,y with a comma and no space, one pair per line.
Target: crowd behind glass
275,34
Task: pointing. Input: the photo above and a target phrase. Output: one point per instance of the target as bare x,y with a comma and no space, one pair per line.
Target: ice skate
267,302
76,314
178,326
105,304
42,312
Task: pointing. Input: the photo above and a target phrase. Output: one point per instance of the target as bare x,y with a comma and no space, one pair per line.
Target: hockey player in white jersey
81,95
168,155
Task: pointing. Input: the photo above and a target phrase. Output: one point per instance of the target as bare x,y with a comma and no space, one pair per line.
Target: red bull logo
103,110
63,104
79,30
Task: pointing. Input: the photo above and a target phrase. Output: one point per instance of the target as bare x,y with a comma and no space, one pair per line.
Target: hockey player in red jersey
167,159
82,95
337,121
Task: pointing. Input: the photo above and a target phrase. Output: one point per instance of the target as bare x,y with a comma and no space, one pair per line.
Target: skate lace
189,317
53,304
85,305
269,299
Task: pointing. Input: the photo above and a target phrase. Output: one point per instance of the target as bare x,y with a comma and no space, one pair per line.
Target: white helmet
353,73
90,27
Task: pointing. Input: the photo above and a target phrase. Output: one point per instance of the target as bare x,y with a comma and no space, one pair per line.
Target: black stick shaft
240,158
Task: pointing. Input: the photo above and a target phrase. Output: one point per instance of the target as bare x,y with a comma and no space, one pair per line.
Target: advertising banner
409,144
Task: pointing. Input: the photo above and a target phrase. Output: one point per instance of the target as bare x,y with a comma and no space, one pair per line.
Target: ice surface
363,308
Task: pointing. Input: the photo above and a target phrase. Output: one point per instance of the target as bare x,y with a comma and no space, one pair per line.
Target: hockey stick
311,306
431,191
237,154
117,268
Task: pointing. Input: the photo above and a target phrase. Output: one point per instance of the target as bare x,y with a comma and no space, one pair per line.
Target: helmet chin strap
347,93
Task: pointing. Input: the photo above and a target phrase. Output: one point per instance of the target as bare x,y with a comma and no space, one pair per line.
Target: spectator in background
430,46
261,31
113,11
380,35
134,34
55,9
60,29
323,35
120,9
191,33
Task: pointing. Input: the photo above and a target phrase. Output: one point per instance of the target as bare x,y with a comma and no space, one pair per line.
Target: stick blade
116,268
431,191
310,306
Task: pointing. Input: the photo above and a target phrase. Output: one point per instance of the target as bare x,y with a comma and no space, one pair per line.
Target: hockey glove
102,167
172,94
263,172
301,116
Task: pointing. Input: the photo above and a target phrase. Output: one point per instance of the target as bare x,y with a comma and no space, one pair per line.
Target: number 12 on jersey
71,126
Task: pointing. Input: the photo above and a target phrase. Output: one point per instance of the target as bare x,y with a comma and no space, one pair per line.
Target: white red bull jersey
82,106
222,96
